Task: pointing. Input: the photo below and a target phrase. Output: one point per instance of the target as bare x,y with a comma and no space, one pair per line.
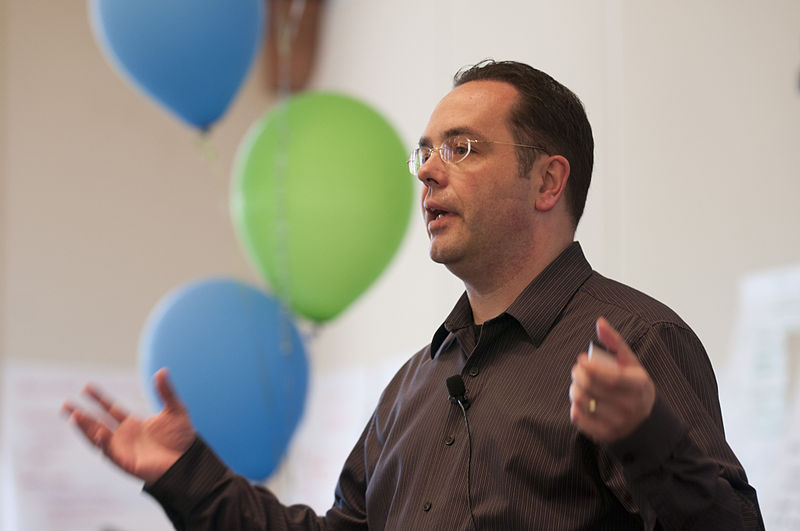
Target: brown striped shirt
530,468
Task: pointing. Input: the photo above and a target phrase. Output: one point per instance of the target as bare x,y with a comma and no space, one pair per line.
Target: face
480,211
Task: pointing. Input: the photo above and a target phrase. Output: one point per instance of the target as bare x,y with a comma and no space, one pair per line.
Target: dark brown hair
546,114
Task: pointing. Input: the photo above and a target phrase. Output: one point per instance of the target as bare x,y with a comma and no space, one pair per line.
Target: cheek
509,208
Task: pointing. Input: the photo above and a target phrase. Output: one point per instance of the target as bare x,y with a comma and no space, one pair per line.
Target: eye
424,153
459,148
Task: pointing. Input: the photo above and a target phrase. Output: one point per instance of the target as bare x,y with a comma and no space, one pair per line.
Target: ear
553,182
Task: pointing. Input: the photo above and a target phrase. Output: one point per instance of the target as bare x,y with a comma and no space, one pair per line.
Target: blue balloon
189,55
237,361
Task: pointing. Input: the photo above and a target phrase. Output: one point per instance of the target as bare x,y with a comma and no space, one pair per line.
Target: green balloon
321,200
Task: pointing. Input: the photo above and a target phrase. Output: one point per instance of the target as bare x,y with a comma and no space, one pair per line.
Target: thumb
166,391
615,344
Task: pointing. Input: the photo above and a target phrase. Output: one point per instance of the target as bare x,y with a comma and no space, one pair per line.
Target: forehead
478,107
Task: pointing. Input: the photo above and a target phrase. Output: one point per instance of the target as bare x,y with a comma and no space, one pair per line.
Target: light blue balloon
238,363
189,55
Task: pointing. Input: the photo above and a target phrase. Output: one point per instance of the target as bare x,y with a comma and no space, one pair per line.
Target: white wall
711,155
108,202
695,110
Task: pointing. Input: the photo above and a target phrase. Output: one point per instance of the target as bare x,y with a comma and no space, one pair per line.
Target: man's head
546,114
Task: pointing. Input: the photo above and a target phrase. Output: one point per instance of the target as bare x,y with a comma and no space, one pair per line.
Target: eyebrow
453,131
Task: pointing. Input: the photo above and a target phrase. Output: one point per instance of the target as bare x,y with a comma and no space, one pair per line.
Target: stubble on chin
435,251
441,253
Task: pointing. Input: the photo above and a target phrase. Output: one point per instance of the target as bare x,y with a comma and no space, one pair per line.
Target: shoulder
666,346
628,304
653,330
643,321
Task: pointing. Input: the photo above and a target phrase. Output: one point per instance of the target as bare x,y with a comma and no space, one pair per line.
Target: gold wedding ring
592,406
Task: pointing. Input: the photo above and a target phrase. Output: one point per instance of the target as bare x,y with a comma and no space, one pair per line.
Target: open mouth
435,212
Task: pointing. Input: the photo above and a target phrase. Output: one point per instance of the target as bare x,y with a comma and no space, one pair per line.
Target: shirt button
426,506
450,440
474,372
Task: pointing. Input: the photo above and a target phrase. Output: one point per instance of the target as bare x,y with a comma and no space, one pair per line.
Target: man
534,439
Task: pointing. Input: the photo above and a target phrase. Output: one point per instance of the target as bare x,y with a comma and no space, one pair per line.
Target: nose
433,172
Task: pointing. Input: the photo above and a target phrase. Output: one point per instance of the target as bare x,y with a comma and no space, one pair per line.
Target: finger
97,433
166,391
116,412
599,370
614,342
595,378
580,376
601,422
67,408
596,352
590,423
578,398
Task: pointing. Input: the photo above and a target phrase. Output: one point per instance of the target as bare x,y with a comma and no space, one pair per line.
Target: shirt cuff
652,443
190,480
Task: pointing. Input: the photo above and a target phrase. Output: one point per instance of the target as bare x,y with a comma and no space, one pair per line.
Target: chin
436,255
442,255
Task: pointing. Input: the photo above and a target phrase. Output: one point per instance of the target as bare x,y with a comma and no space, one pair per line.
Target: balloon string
210,156
287,28
287,34
272,398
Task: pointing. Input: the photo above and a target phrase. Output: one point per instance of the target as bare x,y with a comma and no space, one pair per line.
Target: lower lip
438,223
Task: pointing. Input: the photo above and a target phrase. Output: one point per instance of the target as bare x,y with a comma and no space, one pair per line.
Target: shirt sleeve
199,492
677,466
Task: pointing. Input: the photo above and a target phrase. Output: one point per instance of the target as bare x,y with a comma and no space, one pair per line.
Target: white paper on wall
759,392
51,477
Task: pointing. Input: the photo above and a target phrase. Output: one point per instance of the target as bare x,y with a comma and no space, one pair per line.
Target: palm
144,448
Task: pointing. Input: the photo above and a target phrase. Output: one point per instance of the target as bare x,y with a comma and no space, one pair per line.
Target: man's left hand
611,395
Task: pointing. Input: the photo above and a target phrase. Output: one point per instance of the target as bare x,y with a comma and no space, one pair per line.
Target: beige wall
3,171
110,202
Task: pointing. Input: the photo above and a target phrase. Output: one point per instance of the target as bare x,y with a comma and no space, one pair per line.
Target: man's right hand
145,448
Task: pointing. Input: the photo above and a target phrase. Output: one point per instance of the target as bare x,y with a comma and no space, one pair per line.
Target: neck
493,291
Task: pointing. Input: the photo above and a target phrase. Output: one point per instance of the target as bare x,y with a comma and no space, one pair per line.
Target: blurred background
107,202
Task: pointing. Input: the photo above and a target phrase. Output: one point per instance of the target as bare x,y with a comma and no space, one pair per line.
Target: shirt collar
537,307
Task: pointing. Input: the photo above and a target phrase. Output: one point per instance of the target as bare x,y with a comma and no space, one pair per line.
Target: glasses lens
416,160
413,167
420,156
455,149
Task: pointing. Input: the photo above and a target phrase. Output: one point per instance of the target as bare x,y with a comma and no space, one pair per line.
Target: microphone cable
457,391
